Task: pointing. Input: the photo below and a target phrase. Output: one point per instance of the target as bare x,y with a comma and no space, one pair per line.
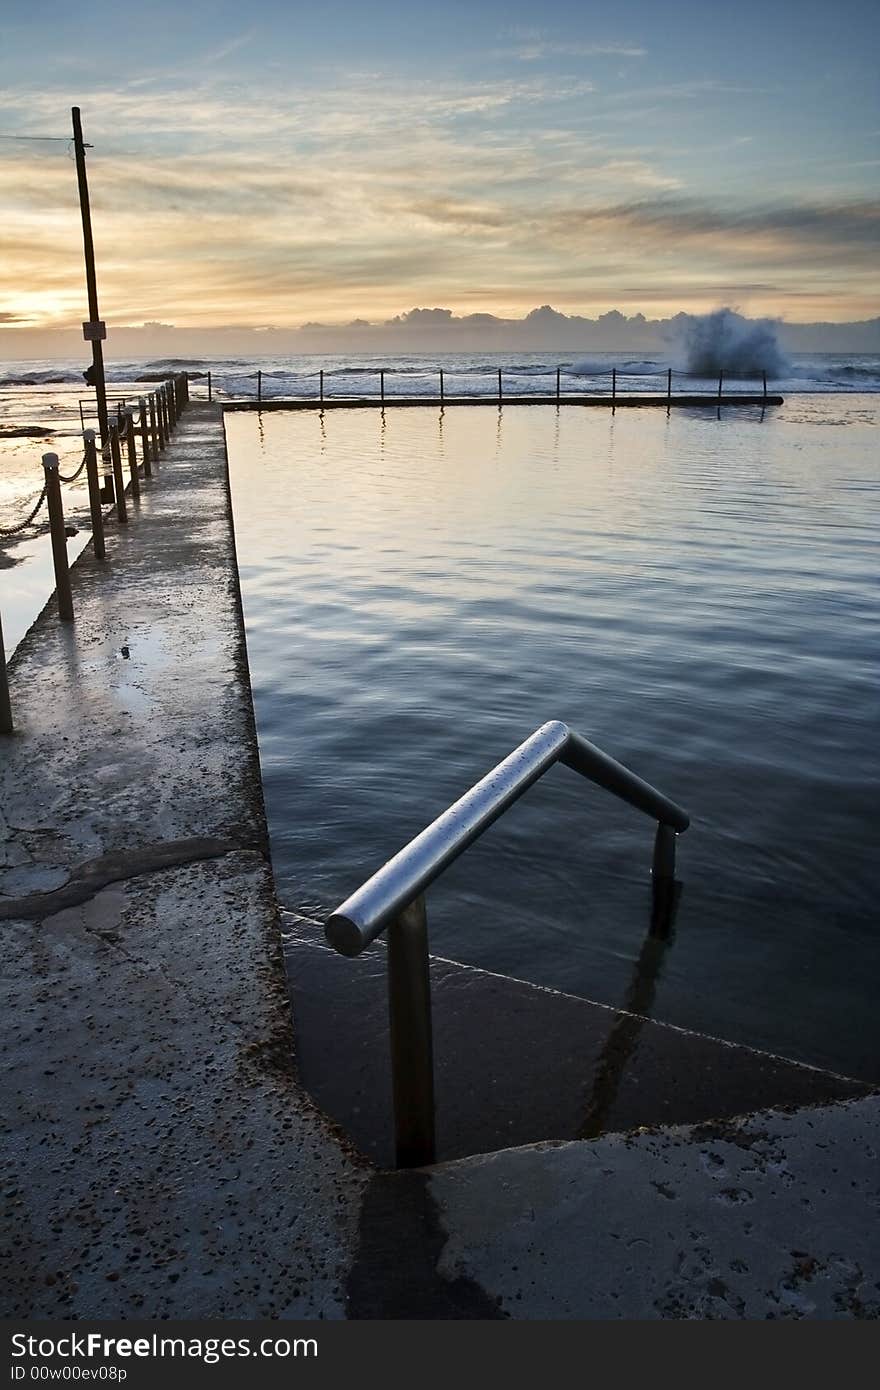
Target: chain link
73,476
22,525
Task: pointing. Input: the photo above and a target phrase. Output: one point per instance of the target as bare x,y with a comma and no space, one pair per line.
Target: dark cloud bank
430,330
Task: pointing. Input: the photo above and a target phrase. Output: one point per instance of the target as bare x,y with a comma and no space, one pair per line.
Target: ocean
695,594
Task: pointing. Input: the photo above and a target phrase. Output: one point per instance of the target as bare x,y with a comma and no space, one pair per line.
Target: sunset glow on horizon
345,162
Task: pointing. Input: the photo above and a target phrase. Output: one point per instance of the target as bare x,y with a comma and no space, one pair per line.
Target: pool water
696,595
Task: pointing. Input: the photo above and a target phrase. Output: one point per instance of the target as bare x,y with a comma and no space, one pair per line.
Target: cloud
536,49
218,201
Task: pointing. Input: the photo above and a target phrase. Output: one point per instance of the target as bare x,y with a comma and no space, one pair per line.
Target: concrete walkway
162,1159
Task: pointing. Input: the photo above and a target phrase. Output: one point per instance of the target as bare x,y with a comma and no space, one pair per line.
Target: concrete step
516,1064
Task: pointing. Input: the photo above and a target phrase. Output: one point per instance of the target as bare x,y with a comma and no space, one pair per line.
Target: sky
276,164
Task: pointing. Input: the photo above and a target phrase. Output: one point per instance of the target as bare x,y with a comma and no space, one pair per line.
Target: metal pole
145,437
557,383
441,386
94,495
132,454
82,423
118,480
720,383
210,396
382,386
6,724
321,374
764,375
259,385
663,880
663,865
91,279
668,388
59,539
499,386
613,388
412,1060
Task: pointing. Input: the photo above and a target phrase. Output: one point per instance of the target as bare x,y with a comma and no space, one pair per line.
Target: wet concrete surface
514,1063
769,1216
161,1158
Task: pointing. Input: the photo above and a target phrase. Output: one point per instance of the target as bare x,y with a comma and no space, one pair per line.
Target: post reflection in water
638,1003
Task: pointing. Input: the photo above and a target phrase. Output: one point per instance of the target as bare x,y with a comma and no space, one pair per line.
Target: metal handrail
393,898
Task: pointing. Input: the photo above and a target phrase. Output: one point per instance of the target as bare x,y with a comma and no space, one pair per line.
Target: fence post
118,480
160,416
172,405
321,388
6,725
59,539
441,386
210,396
412,1063
668,388
145,439
97,515
132,454
382,386
613,388
259,385
720,383
557,383
154,427
499,386
764,375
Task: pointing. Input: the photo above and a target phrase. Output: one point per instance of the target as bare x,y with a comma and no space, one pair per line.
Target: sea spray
707,344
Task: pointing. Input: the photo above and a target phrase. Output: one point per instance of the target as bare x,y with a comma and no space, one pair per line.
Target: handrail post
441,385
412,1057
118,480
170,404
321,376
613,388
499,386
6,724
663,865
160,415
145,437
663,880
59,537
132,454
259,385
668,389
94,495
557,385
210,394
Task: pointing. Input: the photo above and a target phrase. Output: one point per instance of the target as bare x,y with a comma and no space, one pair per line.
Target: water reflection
636,1010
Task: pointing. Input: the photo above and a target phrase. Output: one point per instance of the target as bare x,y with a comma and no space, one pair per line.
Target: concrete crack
88,879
